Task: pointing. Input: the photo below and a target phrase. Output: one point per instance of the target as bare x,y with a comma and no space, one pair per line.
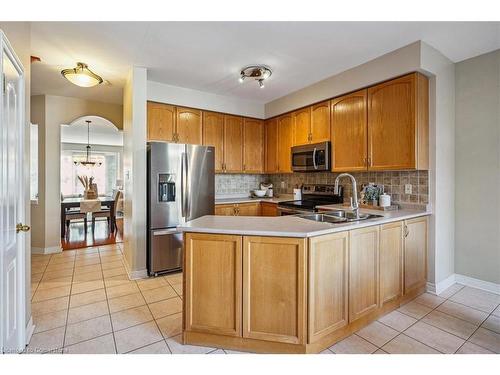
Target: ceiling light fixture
82,76
88,162
256,72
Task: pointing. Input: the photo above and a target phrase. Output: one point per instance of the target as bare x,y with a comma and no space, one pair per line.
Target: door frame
6,47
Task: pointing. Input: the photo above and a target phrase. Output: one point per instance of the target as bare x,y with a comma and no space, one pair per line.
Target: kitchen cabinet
285,142
238,209
160,121
415,253
320,122
233,144
225,209
398,124
349,132
213,135
302,126
363,272
271,147
253,146
391,261
188,126
274,289
328,284
268,209
213,288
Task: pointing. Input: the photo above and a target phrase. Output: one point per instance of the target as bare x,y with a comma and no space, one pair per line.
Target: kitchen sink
323,218
338,216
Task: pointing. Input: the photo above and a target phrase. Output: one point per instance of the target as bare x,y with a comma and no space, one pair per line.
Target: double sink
338,217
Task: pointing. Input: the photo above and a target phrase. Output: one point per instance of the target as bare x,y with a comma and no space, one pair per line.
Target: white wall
477,201
160,92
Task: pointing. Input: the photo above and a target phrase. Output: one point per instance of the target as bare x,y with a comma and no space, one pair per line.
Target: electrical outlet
282,184
408,188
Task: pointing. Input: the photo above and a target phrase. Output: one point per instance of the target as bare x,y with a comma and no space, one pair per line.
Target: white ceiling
102,132
207,56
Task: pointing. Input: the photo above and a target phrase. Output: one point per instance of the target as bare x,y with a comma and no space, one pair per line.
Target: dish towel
90,205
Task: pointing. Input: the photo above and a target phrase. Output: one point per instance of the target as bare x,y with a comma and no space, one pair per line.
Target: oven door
311,158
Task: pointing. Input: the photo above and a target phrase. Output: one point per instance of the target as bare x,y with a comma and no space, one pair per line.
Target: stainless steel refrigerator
181,187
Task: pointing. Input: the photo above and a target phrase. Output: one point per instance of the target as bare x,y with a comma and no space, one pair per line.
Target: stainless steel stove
312,196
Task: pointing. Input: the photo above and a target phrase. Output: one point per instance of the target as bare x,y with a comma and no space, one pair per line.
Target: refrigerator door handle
184,195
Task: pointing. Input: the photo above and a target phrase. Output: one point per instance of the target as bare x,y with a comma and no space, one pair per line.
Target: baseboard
46,250
479,284
30,328
430,288
134,275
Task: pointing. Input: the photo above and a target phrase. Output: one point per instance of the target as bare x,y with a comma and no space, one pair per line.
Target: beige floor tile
156,348
178,289
477,299
380,351
487,339
463,312
166,307
174,279
492,323
54,283
158,294
326,351
46,341
415,310
100,345
117,280
470,348
87,298
57,274
45,322
137,337
403,344
111,265
434,337
86,312
85,252
38,268
238,352
122,290
86,330
87,269
397,320
59,267
114,272
429,300
111,258
50,305
496,312
110,247
170,325
353,345
126,302
220,351
86,286
64,260
43,295
131,317
36,277
88,276
176,347
377,333
450,324
151,283
80,262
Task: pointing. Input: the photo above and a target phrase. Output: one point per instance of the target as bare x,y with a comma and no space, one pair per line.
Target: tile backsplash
393,181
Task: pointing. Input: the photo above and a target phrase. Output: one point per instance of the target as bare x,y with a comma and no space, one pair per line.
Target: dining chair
89,206
108,214
78,214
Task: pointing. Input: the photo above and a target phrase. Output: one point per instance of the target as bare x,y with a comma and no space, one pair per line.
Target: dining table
74,202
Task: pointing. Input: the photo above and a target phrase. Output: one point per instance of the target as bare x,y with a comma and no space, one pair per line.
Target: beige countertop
246,199
289,226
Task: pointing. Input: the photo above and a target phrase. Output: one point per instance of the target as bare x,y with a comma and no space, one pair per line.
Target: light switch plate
408,188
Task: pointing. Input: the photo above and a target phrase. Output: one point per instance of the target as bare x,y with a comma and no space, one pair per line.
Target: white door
12,201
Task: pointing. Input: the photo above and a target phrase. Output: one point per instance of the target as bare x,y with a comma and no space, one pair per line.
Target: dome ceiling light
82,76
256,72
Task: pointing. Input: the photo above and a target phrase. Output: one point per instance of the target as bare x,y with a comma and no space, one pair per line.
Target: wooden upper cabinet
285,142
188,124
398,124
253,146
161,122
302,126
271,150
349,132
391,261
320,122
213,135
363,272
415,253
233,143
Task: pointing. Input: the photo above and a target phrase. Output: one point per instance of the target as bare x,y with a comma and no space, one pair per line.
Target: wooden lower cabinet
391,261
249,209
268,209
213,283
274,289
415,253
363,272
328,285
225,209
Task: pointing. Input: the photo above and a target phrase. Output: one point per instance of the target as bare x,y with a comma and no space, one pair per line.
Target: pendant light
82,76
88,162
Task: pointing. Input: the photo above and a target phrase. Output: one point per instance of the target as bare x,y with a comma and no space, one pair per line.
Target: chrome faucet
354,199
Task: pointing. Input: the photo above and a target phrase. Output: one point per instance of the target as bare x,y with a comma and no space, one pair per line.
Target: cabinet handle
406,231
369,161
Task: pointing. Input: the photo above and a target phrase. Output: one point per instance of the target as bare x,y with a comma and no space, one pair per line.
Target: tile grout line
67,311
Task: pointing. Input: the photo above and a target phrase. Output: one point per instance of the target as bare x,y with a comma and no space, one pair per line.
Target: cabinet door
363,272
225,209
391,124
391,261
274,289
213,135
213,283
415,253
233,143
249,209
320,122
285,140
253,146
189,129
271,154
302,126
161,122
349,132
268,209
328,270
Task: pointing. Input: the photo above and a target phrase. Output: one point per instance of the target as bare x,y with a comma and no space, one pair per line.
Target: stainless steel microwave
311,158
